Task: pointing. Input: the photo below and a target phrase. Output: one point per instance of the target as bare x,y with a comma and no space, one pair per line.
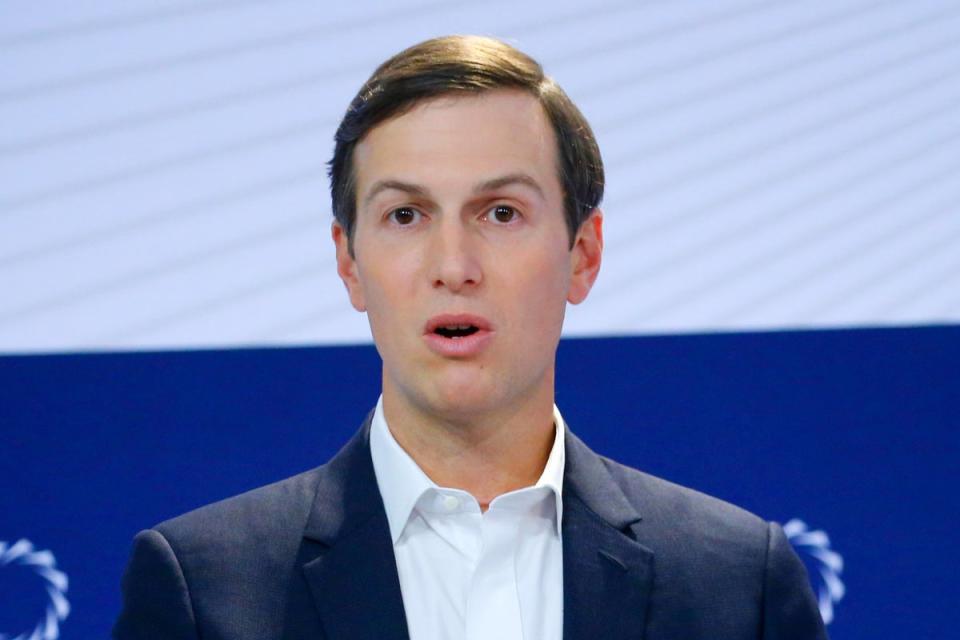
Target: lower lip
463,347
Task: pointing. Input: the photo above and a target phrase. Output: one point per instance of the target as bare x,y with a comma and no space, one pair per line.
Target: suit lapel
607,575
353,579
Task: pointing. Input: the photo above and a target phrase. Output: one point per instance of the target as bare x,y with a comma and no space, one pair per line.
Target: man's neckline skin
485,455
460,222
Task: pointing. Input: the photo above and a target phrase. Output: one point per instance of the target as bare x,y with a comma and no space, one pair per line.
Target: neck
487,454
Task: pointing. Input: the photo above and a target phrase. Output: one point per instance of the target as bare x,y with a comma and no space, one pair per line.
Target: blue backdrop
854,431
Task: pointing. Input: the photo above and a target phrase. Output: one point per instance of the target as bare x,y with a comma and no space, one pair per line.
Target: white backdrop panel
770,165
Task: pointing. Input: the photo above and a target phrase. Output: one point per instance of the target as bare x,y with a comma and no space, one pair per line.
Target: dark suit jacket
311,557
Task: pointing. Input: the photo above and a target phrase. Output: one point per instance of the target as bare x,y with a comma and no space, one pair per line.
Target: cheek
544,293
388,295
380,301
554,274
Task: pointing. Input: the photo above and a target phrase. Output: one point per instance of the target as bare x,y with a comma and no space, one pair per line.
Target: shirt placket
493,606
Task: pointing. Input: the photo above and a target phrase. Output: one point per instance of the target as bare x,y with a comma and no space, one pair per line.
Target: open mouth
456,331
458,335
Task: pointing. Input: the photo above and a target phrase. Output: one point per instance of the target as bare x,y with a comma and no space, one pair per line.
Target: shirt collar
401,481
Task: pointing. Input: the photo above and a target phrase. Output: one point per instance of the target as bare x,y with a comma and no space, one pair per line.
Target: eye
405,216
502,214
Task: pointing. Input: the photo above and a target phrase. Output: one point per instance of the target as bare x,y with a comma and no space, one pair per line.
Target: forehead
456,140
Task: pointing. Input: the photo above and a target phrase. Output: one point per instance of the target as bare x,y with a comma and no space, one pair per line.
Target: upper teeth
458,326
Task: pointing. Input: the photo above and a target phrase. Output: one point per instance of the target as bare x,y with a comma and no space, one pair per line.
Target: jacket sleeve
790,610
156,600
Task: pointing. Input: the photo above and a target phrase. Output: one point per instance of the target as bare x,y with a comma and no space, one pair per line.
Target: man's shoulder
272,519
233,560
668,509
273,511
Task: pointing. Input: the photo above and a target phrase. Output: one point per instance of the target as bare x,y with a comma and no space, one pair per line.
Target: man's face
461,255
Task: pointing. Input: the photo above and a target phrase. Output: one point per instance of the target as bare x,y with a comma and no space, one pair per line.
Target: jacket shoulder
738,566
647,491
267,515
227,566
696,524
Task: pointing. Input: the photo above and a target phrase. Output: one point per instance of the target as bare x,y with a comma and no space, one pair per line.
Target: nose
454,257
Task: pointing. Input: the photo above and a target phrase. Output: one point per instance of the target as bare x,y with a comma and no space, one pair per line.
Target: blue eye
502,214
404,216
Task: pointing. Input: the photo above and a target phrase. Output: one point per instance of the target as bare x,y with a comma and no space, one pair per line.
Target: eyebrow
396,185
482,187
507,180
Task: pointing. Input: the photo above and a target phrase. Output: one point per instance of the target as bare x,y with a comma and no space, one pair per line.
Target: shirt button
450,502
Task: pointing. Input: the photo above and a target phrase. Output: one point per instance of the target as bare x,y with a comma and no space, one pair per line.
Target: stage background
775,322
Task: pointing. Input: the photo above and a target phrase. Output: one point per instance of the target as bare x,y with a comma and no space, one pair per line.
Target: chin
463,399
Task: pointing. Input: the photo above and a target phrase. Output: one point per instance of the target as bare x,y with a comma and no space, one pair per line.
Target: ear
585,257
347,267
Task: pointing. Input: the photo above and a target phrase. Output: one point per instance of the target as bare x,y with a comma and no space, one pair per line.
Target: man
465,188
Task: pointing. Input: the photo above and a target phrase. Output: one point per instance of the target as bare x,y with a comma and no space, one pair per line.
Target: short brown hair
467,64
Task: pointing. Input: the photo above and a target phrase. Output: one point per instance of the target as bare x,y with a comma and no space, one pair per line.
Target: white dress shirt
464,573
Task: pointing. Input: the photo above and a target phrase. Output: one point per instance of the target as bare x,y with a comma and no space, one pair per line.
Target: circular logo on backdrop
823,563
33,603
